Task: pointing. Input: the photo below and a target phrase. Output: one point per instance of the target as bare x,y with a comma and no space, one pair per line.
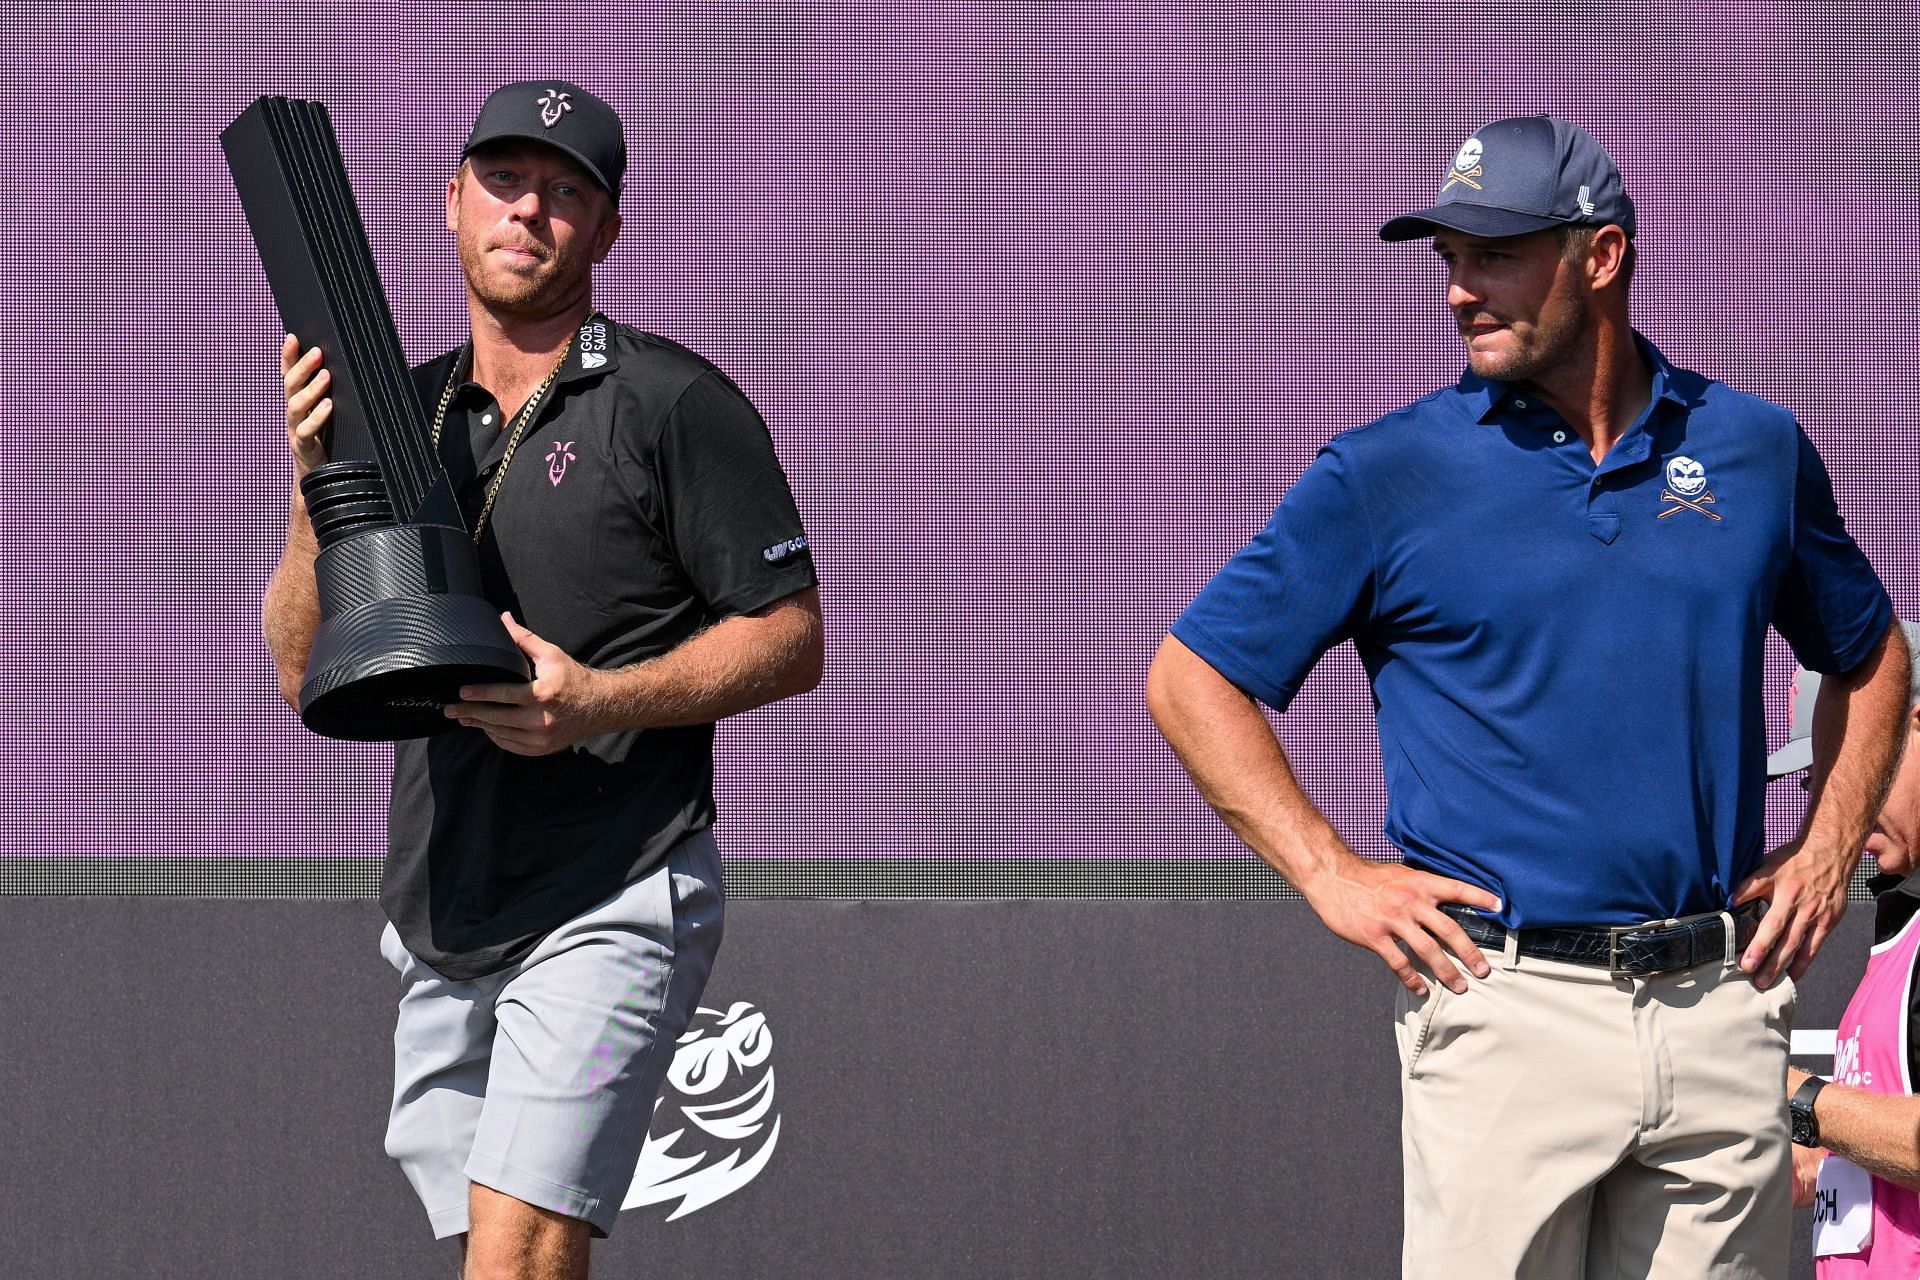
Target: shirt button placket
1602,523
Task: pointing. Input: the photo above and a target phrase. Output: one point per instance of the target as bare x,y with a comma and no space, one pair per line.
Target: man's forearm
1233,757
290,614
735,665
1857,722
1880,1134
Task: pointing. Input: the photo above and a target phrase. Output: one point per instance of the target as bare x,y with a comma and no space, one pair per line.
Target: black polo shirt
643,503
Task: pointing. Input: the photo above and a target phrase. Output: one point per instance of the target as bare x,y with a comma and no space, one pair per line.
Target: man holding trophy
552,882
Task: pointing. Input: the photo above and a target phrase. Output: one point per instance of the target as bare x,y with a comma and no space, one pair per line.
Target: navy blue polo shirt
1566,658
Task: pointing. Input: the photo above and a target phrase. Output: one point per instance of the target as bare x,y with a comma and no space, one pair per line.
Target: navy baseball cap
1520,175
562,115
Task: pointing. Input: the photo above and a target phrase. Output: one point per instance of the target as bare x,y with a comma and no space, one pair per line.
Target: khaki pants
1561,1124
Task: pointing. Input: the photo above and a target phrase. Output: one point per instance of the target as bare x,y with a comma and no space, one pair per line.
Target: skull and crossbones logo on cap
1466,165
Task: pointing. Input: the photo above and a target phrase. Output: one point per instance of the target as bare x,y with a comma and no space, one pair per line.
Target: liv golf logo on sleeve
714,1125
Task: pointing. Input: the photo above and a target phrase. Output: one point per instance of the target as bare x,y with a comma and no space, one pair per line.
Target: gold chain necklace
528,412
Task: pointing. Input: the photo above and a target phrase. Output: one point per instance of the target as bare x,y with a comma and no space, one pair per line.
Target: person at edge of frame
1558,573
552,883
1857,1158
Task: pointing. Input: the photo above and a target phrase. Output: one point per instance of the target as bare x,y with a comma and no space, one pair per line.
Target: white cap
1797,754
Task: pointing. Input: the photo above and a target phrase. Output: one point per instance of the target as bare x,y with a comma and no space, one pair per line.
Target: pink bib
1870,1052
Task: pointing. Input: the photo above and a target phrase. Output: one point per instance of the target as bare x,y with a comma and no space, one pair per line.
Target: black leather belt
1637,950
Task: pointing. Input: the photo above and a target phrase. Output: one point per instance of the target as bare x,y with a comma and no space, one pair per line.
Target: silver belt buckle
1615,932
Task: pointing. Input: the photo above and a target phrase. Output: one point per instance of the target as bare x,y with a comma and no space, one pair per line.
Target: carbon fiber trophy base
403,623
401,689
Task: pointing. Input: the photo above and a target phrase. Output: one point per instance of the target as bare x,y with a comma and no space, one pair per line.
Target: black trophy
403,623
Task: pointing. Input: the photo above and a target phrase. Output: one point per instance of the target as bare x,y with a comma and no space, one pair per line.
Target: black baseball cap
562,115
1520,175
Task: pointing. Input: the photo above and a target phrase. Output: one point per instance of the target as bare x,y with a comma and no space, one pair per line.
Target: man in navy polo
1559,573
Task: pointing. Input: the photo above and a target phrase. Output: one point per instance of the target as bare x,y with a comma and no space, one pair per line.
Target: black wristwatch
1801,1125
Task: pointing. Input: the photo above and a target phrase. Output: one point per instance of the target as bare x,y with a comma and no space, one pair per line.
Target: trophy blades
408,463
294,273
372,345
292,182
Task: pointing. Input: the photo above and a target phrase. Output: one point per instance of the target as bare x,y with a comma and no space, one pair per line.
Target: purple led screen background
1045,314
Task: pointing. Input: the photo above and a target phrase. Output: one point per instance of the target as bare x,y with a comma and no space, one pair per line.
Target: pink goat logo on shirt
557,461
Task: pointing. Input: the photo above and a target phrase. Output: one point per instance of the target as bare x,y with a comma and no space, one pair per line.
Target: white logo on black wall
714,1125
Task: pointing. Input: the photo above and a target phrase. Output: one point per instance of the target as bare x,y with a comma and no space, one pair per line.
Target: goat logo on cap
553,105
1466,165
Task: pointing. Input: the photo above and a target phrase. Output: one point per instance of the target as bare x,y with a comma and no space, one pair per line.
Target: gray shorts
539,1081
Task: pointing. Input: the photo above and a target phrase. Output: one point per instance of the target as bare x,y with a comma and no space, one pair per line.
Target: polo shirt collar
1665,385
591,354
1486,397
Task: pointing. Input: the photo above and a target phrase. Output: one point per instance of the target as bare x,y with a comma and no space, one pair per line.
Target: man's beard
1547,349
550,287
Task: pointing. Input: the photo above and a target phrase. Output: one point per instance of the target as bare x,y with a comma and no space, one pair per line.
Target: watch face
1801,1125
